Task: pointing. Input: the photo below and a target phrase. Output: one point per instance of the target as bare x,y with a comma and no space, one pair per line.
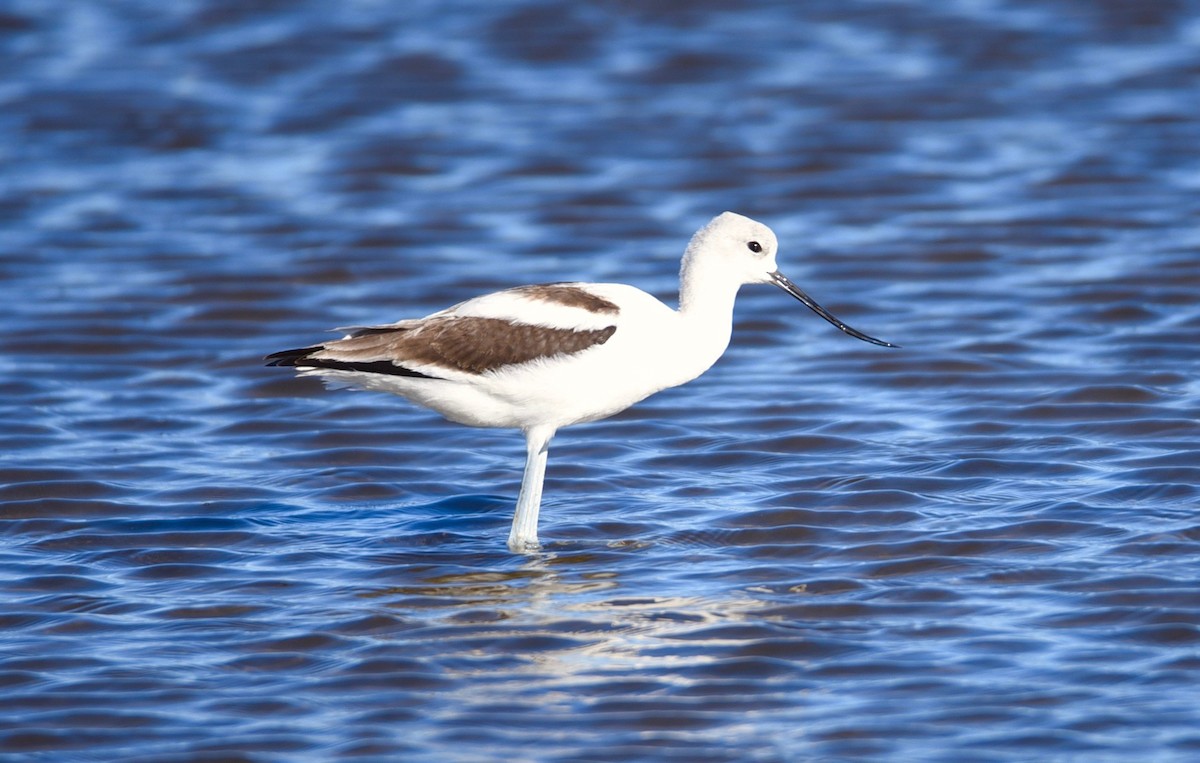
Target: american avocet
539,358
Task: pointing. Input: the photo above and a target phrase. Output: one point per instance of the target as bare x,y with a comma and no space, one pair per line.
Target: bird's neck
706,294
706,317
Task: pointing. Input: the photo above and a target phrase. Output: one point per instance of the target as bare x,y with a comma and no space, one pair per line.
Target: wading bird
539,358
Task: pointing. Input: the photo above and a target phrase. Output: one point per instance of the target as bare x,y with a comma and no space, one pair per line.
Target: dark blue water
985,546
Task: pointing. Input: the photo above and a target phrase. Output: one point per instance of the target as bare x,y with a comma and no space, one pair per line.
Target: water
981,547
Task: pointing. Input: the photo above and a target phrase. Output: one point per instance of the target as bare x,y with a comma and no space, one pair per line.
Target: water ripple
981,546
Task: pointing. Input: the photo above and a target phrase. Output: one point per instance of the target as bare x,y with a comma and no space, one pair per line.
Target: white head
736,249
743,250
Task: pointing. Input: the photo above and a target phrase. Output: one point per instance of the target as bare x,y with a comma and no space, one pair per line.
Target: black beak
780,280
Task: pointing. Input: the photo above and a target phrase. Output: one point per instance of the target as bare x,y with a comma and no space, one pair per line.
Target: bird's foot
525,545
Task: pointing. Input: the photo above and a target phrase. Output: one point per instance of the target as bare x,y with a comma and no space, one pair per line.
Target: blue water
982,547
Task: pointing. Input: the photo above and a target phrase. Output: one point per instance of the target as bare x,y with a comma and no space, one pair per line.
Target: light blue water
981,547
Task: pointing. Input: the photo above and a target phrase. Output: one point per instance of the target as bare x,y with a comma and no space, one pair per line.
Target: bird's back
560,353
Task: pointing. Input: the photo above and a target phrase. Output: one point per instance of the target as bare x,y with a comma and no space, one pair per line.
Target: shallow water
980,547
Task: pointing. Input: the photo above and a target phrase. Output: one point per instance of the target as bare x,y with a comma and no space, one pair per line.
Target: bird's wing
481,335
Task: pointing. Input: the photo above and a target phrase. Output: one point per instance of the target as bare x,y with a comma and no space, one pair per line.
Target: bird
542,357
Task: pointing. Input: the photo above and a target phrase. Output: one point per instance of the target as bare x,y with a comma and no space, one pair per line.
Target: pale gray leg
523,537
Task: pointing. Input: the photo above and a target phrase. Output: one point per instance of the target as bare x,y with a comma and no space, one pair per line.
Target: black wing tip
383,367
301,358
292,357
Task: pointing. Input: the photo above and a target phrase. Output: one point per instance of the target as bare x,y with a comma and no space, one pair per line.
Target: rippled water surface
984,546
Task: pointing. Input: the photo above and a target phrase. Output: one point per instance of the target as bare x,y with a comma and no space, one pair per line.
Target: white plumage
539,358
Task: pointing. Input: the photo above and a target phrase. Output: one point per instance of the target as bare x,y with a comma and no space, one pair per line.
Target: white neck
706,299
705,291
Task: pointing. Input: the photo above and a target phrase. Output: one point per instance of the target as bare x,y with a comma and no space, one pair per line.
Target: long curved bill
780,280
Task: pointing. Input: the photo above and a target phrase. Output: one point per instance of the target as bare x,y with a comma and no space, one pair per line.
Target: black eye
755,247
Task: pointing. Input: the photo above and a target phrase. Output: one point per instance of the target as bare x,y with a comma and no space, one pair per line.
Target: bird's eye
754,246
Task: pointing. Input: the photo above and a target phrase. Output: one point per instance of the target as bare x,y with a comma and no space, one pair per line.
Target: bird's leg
523,537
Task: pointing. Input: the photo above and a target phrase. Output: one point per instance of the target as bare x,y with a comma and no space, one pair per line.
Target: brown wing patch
570,296
468,344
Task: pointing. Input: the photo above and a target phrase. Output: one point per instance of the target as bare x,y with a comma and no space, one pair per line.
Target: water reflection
982,545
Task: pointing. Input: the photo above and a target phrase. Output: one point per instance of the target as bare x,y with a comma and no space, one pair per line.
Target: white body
540,358
653,348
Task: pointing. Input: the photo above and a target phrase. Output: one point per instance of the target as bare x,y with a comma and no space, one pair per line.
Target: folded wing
479,336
